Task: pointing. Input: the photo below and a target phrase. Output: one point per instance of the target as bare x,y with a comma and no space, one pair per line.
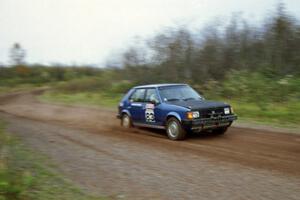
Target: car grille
212,112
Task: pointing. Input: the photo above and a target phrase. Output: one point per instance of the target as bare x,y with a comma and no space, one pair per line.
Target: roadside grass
286,115
25,174
23,87
83,98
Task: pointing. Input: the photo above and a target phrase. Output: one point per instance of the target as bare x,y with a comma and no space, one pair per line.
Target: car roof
159,85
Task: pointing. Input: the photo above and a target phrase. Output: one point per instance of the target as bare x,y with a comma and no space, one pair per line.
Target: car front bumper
209,123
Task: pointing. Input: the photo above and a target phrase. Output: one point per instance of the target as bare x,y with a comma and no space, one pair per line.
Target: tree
17,55
281,42
179,54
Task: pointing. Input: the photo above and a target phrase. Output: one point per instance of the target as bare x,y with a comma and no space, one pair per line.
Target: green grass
287,114
24,87
83,98
25,174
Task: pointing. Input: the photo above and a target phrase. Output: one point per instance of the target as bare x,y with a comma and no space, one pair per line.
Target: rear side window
138,95
151,96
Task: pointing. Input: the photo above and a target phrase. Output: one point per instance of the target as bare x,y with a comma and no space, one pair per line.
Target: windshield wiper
190,98
173,99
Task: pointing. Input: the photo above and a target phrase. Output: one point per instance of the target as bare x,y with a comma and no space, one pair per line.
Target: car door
136,105
151,108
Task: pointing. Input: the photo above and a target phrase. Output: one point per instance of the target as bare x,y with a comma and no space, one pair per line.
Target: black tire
174,129
126,121
220,131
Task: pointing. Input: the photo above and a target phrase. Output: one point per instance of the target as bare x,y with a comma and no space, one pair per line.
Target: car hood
199,104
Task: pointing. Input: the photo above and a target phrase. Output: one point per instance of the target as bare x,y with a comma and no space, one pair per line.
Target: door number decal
149,113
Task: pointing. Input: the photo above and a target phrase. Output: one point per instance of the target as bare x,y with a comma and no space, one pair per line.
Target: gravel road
91,149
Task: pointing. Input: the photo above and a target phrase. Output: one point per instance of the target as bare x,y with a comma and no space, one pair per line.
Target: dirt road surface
97,155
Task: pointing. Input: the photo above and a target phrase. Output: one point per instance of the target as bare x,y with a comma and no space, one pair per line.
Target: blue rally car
175,107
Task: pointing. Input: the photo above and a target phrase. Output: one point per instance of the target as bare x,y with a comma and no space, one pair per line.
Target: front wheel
175,130
126,121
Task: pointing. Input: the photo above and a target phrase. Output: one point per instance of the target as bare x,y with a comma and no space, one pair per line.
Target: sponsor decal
136,104
149,113
149,106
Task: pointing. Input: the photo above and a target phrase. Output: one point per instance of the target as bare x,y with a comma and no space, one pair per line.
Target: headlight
226,111
193,115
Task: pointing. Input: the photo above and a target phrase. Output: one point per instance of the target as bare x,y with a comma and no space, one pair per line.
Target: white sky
87,31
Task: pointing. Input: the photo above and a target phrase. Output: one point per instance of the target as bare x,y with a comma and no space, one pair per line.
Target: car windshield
178,93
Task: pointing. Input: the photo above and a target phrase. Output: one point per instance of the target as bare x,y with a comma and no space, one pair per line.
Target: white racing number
149,113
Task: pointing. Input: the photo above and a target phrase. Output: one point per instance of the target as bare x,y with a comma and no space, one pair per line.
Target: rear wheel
126,121
220,131
175,130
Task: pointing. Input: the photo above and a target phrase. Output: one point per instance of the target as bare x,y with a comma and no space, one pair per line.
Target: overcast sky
87,31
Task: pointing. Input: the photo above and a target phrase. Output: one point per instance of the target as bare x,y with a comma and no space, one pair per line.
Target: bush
258,88
84,84
121,87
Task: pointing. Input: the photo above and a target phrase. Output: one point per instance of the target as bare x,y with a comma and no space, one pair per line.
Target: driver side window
138,95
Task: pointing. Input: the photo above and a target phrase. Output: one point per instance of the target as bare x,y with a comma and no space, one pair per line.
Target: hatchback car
177,108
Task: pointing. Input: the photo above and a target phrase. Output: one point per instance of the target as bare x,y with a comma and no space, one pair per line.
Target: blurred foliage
107,99
106,81
17,54
39,74
182,55
259,88
280,114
